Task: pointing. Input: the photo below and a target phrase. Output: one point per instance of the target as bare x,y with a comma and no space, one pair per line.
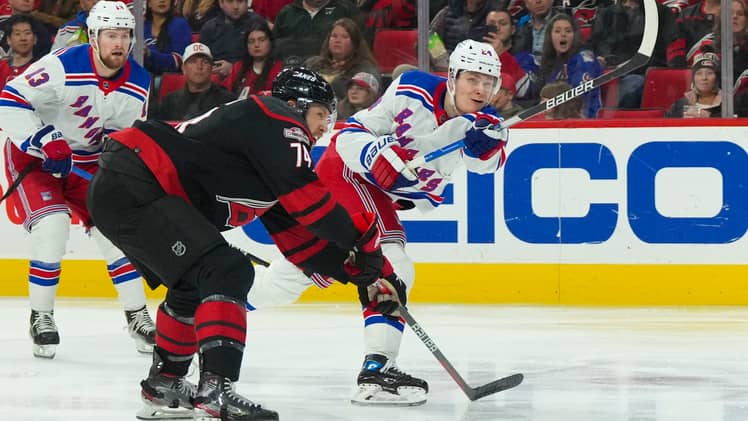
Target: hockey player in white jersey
52,117
365,167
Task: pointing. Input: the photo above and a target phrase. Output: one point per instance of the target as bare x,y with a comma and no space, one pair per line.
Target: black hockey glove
366,261
384,296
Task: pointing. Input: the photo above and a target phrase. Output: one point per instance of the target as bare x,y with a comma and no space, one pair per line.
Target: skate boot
216,399
380,382
165,396
142,329
43,332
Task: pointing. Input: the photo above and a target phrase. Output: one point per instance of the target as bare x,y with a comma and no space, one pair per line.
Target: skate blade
149,412
44,351
373,395
141,345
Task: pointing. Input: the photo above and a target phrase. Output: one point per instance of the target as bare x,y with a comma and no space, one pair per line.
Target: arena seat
663,86
395,46
170,82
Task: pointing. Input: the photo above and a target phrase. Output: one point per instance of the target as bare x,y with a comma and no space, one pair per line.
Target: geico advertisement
591,195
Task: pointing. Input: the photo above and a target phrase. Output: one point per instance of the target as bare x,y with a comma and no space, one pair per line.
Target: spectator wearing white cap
362,91
199,94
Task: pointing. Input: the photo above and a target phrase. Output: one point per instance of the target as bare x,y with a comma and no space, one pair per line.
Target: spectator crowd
202,53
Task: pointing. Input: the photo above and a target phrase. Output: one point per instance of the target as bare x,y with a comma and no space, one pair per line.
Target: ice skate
165,396
142,329
43,332
380,382
216,399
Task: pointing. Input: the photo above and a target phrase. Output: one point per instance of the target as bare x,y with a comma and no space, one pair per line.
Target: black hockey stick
14,185
651,27
473,393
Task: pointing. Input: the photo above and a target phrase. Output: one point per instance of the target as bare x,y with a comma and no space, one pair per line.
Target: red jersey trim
155,158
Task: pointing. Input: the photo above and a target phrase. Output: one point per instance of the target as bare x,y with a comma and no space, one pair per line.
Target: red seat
663,86
196,37
621,113
170,82
393,47
609,92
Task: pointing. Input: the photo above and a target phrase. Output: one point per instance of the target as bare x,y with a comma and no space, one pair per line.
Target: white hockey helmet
109,15
474,56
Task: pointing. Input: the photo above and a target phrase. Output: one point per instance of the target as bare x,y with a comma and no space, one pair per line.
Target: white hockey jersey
62,94
412,111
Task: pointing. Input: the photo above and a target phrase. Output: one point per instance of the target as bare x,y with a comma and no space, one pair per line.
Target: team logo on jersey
295,133
179,248
242,211
46,196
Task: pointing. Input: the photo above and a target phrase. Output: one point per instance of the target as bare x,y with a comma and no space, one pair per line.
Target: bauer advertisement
649,214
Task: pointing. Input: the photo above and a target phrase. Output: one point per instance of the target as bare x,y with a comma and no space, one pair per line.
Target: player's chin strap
642,56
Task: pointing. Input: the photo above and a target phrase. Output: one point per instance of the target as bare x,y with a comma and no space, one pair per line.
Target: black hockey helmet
304,86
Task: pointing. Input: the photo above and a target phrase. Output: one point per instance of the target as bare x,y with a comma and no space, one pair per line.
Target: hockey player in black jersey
163,195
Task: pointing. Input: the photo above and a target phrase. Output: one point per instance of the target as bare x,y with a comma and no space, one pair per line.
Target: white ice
580,364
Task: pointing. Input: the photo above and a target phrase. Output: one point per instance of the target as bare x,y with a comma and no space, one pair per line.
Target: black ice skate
380,382
43,332
216,399
142,329
165,397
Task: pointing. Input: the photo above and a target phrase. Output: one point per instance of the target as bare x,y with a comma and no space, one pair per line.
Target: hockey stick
642,56
473,393
14,185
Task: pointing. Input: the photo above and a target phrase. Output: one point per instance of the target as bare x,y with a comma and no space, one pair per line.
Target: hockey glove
385,160
366,261
58,158
385,295
485,138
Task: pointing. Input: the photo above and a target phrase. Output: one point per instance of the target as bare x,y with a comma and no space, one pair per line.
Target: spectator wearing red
255,72
503,101
301,27
704,100
166,36
269,9
693,23
501,40
712,42
21,41
344,53
379,14
363,90
43,39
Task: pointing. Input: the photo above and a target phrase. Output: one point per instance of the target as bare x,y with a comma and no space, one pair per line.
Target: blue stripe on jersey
380,319
76,60
8,101
14,104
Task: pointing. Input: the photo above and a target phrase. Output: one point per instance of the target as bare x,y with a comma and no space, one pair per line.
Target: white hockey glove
386,162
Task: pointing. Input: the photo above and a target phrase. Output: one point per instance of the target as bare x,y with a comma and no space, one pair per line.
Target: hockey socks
176,340
221,327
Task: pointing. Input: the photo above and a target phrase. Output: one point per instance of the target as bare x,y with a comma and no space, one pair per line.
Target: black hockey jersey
246,159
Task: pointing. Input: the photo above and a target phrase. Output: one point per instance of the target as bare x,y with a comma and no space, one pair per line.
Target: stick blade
496,386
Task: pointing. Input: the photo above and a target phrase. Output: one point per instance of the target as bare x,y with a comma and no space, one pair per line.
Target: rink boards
615,213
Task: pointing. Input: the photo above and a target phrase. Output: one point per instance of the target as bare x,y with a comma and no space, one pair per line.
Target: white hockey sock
382,338
279,284
49,235
43,281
